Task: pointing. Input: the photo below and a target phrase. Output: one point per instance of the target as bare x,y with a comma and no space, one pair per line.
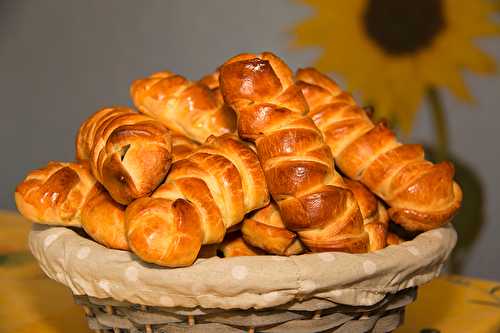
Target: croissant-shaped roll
421,195
201,198
182,147
265,230
103,219
129,153
375,217
55,194
188,108
298,165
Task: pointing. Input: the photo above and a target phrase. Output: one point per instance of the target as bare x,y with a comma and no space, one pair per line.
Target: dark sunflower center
400,26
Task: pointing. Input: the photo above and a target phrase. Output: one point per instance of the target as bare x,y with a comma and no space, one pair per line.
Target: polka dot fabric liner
88,268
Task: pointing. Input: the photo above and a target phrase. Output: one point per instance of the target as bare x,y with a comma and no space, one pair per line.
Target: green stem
440,126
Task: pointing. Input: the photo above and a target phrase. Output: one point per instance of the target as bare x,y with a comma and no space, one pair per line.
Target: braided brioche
129,153
265,230
298,165
201,198
67,194
421,195
55,194
188,108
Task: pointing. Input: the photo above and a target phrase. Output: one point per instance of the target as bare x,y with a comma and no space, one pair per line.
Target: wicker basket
328,292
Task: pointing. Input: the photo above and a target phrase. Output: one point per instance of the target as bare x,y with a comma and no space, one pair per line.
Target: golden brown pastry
375,217
235,246
67,194
393,239
421,195
55,194
129,153
103,219
201,198
265,230
182,147
188,108
298,165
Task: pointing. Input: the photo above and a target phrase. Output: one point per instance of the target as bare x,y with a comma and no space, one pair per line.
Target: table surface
33,303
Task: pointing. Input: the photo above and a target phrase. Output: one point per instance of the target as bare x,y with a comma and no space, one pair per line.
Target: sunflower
395,52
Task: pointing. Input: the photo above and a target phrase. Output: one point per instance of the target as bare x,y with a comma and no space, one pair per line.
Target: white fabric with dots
240,282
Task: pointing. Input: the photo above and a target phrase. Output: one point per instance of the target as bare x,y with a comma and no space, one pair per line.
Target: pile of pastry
250,160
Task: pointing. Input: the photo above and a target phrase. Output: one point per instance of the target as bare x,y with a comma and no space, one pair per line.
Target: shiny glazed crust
421,195
188,108
103,219
67,194
55,194
129,153
203,196
298,165
265,230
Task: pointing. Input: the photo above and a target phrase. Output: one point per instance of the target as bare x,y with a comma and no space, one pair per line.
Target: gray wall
62,60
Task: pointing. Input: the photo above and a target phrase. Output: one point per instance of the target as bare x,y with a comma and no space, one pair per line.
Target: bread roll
129,153
67,194
188,108
311,195
421,195
202,197
55,194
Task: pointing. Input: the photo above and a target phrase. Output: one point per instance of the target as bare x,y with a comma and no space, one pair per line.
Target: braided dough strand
298,165
421,195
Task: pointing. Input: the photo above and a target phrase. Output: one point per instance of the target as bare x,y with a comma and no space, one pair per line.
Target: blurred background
429,67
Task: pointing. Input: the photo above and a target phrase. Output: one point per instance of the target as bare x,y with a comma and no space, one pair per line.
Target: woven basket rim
88,268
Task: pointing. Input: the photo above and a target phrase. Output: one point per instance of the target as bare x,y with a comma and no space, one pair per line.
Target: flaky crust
375,217
129,153
55,194
203,196
188,108
420,195
265,230
103,219
311,195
